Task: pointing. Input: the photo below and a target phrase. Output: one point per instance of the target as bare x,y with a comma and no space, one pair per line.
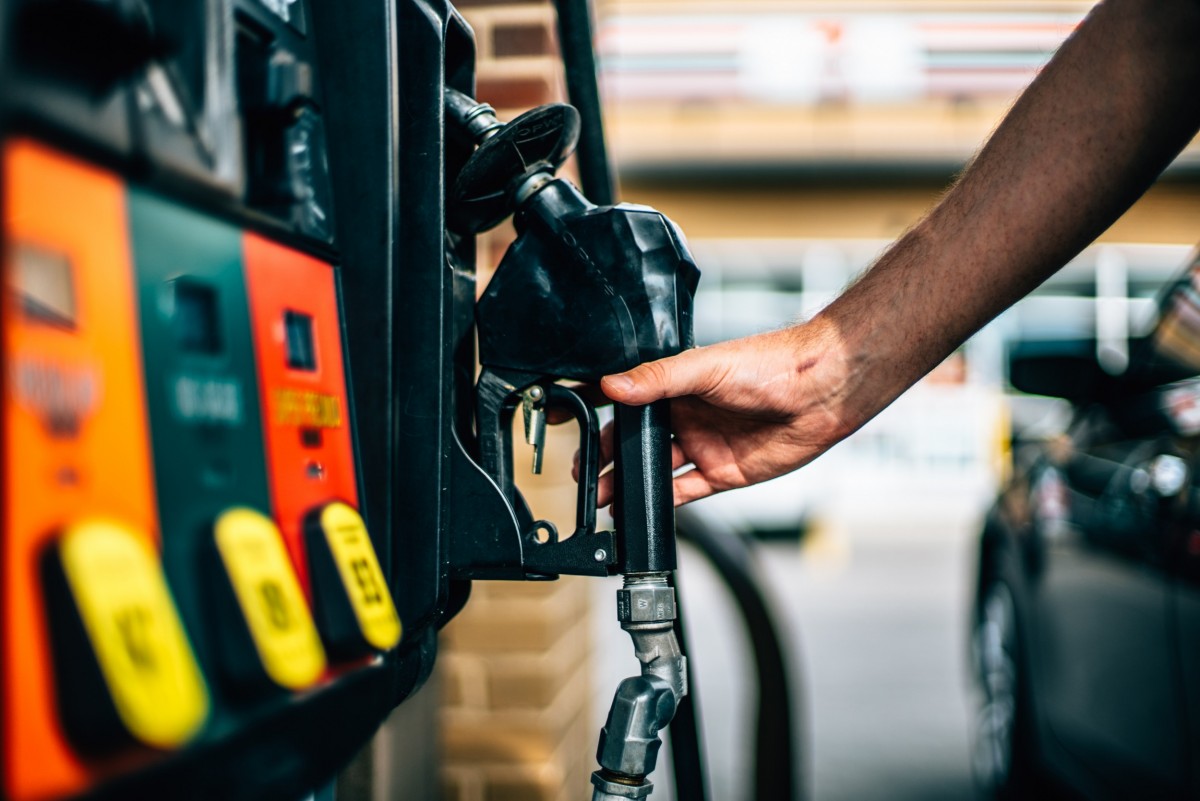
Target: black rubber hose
777,769
583,91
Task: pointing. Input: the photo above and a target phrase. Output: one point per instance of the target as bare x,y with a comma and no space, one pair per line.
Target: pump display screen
196,318
300,352
44,284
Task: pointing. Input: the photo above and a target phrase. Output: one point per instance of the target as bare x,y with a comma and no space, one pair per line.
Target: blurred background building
792,141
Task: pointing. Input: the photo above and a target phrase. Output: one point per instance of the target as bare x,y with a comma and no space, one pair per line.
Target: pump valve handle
497,396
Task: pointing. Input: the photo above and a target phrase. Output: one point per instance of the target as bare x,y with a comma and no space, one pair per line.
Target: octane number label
135,632
268,592
358,567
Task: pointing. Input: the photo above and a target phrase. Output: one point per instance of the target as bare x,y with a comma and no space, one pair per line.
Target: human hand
742,411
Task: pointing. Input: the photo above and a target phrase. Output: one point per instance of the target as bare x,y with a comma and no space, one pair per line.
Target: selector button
115,628
286,650
353,605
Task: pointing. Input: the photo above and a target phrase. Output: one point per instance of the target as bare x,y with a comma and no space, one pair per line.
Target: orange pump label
302,380
76,445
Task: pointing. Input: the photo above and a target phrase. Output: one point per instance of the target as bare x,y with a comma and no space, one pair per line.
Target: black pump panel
227,235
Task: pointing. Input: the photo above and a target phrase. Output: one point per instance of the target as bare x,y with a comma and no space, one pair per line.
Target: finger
691,486
689,373
605,489
678,460
678,457
607,446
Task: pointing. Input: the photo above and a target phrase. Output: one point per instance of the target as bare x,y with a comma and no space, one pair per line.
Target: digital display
195,318
44,283
301,355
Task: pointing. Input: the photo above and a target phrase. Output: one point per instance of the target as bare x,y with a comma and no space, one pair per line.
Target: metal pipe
653,631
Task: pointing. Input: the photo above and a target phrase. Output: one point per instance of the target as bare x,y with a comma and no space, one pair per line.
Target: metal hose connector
646,609
644,705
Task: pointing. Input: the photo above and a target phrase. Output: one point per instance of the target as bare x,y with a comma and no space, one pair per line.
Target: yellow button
135,632
268,593
358,568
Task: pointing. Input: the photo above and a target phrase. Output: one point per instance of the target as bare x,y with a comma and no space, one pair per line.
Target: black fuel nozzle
584,291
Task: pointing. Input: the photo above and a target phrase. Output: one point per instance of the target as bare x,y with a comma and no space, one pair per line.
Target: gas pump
583,292
197,583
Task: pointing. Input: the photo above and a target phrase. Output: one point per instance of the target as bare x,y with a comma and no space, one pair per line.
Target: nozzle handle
589,453
645,503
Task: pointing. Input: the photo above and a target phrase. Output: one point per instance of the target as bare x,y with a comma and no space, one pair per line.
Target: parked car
1086,624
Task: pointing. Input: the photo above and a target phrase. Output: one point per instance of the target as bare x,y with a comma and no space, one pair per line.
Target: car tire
1003,749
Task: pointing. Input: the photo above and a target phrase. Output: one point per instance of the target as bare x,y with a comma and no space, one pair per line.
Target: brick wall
514,671
518,68
515,722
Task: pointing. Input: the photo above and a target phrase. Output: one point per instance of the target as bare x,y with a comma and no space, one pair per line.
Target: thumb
688,373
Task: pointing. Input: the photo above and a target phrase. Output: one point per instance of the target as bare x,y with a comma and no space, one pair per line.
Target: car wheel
1002,757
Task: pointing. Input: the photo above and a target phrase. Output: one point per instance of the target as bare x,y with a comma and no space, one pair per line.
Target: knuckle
658,372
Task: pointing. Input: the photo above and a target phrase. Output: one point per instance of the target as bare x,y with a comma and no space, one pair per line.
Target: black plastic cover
587,291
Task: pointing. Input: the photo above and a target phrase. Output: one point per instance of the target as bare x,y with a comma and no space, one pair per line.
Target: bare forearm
1115,105
1117,102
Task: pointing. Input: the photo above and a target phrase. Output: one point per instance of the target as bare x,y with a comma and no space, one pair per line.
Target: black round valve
537,141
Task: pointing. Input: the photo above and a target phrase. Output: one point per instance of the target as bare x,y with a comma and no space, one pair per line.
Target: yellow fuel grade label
268,592
135,631
358,567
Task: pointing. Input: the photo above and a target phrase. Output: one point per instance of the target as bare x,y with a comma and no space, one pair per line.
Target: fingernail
619,382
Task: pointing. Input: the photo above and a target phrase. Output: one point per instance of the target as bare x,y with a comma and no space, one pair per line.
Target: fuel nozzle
584,291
